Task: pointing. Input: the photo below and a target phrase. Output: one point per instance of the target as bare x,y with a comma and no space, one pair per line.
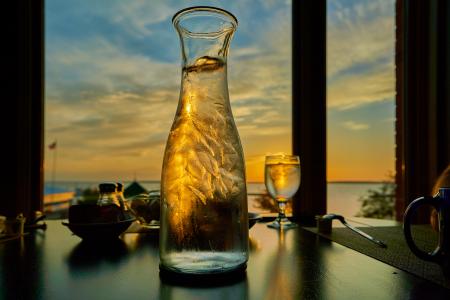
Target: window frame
422,100
23,120
309,106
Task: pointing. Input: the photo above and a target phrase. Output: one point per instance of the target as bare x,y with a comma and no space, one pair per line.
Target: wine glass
282,179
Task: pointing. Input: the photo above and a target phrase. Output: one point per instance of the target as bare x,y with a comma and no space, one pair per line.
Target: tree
379,203
88,196
267,203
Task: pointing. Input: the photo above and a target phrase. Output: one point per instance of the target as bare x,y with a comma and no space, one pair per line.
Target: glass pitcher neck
204,88
204,32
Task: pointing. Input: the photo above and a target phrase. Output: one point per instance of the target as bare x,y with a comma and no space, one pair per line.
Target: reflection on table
294,264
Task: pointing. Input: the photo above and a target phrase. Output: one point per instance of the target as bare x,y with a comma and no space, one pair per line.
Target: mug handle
433,256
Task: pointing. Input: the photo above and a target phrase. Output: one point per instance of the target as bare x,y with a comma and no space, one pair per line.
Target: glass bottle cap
107,187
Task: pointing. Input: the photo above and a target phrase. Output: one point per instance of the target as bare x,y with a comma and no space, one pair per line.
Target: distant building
134,189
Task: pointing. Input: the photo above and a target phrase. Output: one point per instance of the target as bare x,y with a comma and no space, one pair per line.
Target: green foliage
267,203
89,196
379,203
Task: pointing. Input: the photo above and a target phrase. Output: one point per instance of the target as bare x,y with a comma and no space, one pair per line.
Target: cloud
260,82
360,54
100,63
351,125
138,16
111,105
375,84
246,52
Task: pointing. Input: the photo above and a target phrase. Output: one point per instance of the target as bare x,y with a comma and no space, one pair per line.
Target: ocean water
342,198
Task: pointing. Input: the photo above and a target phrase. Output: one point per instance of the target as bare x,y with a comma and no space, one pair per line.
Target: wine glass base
282,223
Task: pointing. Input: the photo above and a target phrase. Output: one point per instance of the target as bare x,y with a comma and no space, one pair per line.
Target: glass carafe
204,220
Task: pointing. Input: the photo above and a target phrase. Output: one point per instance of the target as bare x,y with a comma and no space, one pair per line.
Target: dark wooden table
294,265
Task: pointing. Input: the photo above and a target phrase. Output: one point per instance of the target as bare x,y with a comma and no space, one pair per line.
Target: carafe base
204,263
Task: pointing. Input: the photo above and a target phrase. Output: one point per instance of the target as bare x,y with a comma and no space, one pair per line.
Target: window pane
113,79
360,100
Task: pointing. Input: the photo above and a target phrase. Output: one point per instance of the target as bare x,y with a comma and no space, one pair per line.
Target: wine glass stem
282,209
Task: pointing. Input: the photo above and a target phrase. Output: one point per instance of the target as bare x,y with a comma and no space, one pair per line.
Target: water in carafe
204,223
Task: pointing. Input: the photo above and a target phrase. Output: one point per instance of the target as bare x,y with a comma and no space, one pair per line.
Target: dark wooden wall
22,107
309,106
423,110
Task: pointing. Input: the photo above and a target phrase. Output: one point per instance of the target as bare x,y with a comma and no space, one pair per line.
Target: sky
113,73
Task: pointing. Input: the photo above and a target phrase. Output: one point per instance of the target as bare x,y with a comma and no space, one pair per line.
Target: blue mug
441,202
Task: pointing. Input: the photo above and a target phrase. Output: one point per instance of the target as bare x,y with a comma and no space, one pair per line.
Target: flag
52,146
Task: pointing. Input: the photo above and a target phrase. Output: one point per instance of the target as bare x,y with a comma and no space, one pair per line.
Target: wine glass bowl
282,180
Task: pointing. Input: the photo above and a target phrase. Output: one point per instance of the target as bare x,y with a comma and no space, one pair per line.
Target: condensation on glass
204,221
